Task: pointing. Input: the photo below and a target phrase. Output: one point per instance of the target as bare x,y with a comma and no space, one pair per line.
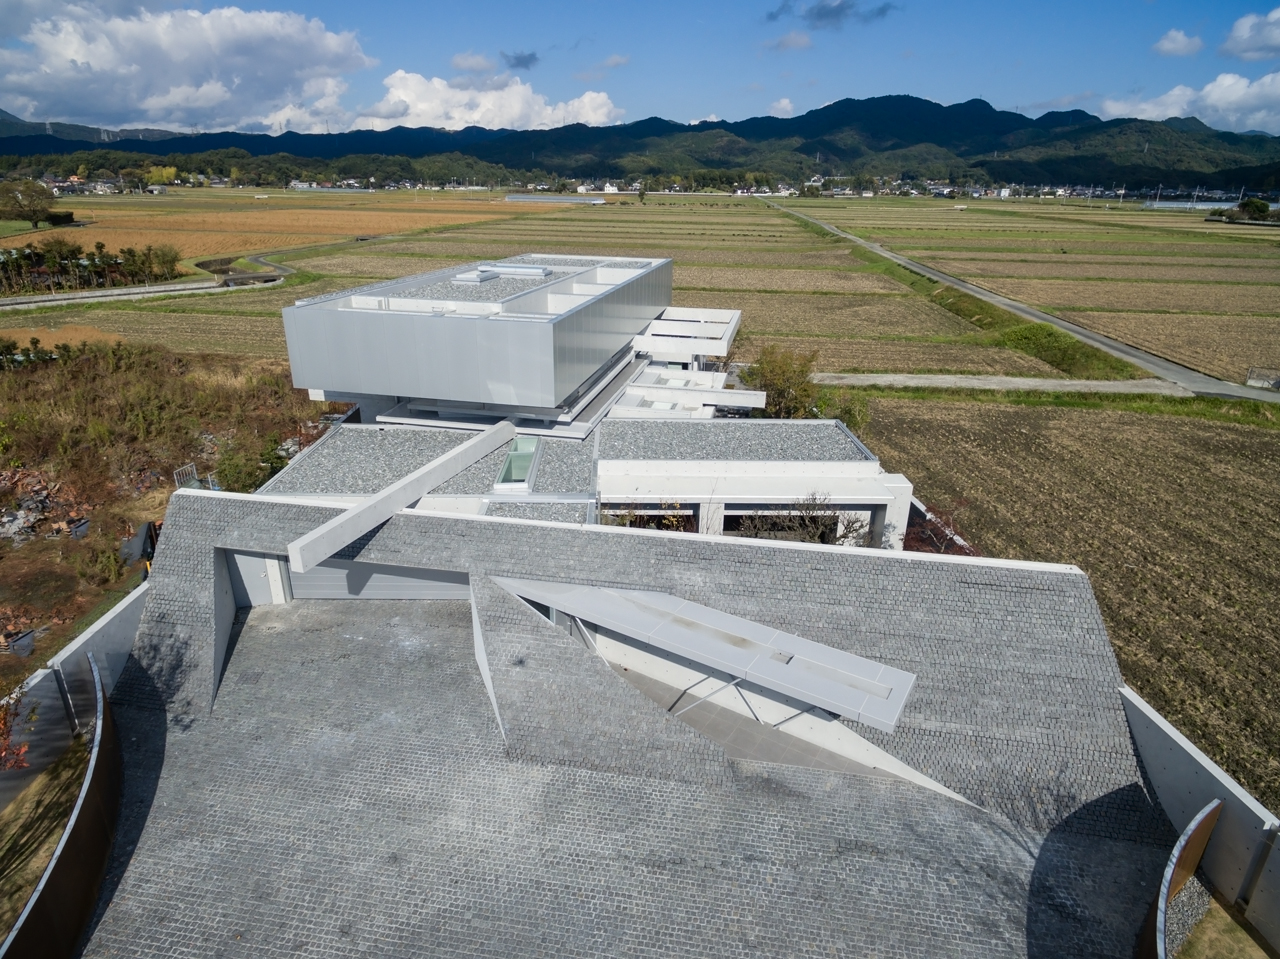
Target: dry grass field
1223,346
835,316
1093,269
894,356
1111,295
202,222
1171,518
796,281
1073,259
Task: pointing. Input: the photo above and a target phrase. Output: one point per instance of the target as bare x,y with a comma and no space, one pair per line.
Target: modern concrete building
564,347
416,697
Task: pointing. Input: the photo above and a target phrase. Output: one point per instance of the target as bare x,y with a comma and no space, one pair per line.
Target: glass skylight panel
519,462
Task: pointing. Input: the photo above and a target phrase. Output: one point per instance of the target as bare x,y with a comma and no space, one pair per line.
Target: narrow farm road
1192,380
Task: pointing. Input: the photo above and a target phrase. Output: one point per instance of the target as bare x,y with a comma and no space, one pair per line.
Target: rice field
835,316
1090,261
796,281
1222,346
896,356
1170,518
1110,295
203,222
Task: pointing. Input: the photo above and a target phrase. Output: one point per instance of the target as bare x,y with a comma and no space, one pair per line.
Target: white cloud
1255,37
615,60
414,101
1229,102
795,40
227,68
782,108
1175,43
472,63
709,118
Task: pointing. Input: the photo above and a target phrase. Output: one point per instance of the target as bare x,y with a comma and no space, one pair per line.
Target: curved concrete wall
56,914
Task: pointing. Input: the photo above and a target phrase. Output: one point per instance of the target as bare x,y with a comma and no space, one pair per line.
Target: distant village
158,180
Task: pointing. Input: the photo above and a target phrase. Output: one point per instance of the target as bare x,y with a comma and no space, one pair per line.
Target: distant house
157,188
610,188
584,188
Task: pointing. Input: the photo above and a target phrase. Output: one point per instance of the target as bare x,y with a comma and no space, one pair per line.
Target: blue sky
320,64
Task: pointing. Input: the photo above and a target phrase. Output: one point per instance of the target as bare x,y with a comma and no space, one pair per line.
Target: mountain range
891,135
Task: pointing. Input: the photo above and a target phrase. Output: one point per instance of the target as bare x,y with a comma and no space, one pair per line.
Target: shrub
244,466
784,375
1254,209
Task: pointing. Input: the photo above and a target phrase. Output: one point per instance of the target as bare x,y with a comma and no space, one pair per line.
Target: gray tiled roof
727,440
403,825
602,824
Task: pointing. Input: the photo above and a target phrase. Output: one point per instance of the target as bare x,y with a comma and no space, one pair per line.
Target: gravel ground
552,512
726,440
1187,909
363,460
565,467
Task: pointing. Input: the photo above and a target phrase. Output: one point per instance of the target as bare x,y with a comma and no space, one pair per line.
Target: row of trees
57,265
240,168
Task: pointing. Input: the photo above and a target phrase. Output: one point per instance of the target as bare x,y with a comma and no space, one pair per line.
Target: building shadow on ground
142,725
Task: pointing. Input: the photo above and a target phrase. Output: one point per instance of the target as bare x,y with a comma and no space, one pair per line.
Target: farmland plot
1222,346
1162,513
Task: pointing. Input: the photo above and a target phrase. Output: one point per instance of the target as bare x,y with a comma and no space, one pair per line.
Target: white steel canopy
839,682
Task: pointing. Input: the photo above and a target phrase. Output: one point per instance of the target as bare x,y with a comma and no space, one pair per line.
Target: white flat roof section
682,334
839,682
748,481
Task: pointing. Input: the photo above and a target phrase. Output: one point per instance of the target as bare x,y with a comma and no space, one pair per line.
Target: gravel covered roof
362,459
754,439
490,291
564,467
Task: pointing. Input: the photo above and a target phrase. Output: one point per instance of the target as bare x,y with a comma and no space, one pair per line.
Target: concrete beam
321,543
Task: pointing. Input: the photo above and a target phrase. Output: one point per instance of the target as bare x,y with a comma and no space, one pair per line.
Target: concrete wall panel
343,579
1185,781
110,640
1264,904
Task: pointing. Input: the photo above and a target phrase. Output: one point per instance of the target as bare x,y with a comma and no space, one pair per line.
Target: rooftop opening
517,469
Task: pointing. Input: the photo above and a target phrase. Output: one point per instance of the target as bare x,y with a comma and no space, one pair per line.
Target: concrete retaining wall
109,639
1185,780
47,737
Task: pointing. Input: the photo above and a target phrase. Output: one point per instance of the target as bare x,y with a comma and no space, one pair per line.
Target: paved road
1189,379
1025,383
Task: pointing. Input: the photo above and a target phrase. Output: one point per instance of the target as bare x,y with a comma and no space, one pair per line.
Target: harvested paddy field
891,356
205,222
373,267
1111,295
1171,519
246,334
1093,265
834,316
1222,346
799,281
1048,269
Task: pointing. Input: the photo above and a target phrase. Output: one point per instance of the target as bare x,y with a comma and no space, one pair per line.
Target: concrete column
278,580
876,538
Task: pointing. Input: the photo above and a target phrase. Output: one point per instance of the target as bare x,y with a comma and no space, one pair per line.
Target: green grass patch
1056,347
